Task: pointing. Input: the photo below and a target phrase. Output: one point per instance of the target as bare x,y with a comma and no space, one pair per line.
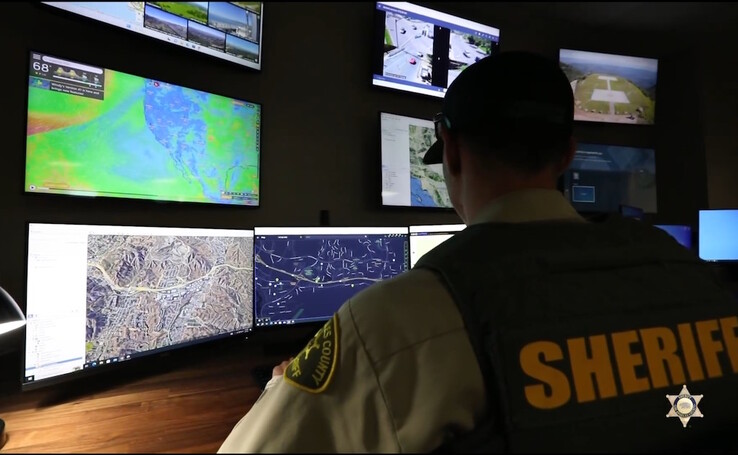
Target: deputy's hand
279,369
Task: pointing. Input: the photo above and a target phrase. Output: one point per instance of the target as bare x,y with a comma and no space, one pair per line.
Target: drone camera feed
611,88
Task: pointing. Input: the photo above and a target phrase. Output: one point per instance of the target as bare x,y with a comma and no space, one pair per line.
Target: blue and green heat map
146,140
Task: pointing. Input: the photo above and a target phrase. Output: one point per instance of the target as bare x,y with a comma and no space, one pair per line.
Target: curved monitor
93,131
304,274
102,295
227,30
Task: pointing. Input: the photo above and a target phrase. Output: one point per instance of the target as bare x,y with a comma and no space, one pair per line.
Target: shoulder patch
312,369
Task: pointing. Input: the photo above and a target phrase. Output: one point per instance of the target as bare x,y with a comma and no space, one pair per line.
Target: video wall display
101,295
611,88
93,131
227,30
601,178
406,180
422,50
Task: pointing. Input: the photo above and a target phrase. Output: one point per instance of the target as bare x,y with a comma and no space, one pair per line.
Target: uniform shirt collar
526,206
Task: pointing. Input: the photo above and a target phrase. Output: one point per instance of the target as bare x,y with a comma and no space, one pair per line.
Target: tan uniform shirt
405,372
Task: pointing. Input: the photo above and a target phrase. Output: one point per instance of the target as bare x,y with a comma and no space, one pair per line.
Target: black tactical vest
583,330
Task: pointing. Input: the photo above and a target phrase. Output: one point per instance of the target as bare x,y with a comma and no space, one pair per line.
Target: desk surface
176,408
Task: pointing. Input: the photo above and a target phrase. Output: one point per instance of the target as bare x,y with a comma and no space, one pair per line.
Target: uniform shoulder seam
372,365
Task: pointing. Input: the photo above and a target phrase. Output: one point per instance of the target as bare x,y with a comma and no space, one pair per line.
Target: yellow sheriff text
642,359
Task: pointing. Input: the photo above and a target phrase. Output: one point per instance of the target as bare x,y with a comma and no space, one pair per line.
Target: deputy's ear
569,156
451,153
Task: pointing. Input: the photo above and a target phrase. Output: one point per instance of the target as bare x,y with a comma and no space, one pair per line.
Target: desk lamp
11,318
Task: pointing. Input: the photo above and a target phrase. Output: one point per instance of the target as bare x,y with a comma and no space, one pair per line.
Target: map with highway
307,278
147,292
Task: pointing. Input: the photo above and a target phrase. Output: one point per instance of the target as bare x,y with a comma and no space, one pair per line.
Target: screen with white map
105,294
406,181
304,274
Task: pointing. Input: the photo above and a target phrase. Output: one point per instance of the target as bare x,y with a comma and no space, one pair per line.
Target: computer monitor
94,131
102,295
424,238
601,178
682,233
406,181
229,31
628,211
304,274
718,235
611,88
421,50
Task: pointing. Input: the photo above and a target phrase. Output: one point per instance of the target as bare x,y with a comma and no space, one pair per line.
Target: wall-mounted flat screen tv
611,88
99,296
421,50
227,30
406,181
602,178
93,131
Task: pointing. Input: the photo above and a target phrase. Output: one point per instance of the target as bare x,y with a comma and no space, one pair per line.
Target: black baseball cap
509,97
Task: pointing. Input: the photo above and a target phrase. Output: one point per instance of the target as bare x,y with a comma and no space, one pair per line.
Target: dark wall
320,136
717,64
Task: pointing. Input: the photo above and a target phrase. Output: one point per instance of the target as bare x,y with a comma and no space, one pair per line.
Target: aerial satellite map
147,292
